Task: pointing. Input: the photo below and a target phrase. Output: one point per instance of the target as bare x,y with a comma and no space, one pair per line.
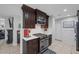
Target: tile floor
62,48
48,51
9,48
57,46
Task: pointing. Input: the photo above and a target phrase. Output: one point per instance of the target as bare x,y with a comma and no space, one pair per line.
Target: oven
44,44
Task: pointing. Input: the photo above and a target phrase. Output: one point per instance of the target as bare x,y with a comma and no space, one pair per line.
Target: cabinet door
32,19
28,17
10,36
42,16
18,36
77,44
32,46
50,40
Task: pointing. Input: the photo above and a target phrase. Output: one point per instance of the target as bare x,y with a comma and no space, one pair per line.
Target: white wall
12,10
50,25
37,29
2,22
17,21
67,35
53,28
58,30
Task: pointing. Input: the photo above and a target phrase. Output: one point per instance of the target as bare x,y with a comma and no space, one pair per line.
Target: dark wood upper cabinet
33,16
40,13
41,18
28,17
46,24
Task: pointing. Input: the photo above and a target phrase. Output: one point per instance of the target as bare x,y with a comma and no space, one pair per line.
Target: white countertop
29,38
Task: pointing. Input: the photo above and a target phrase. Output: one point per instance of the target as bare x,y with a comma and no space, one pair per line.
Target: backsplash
37,29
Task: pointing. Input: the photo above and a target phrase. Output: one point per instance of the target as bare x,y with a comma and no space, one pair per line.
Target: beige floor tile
63,48
9,49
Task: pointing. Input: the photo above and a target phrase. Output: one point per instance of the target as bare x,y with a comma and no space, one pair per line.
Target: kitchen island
36,44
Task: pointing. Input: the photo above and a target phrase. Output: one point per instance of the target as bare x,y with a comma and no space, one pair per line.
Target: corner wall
66,35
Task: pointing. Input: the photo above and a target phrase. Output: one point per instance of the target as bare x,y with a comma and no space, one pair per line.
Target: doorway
65,40
6,36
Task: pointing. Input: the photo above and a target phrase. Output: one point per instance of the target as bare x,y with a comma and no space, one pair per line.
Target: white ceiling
57,10
10,10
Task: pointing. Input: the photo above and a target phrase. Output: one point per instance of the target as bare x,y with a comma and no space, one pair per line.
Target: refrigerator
77,36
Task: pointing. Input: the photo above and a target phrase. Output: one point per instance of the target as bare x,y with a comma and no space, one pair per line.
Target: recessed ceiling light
65,10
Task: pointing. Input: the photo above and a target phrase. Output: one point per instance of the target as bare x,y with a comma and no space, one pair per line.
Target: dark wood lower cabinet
2,34
50,40
77,43
18,36
10,37
31,46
